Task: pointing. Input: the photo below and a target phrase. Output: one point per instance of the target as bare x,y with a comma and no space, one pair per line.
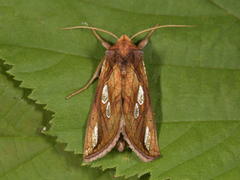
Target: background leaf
193,74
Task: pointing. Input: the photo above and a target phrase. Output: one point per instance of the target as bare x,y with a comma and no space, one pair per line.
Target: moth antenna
158,27
104,43
92,28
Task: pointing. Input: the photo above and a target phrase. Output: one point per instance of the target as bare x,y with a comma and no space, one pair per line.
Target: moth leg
145,40
104,43
96,74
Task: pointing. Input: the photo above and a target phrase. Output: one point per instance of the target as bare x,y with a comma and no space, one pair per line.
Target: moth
122,112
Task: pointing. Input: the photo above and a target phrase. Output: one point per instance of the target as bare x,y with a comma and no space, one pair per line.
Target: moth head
124,46
124,38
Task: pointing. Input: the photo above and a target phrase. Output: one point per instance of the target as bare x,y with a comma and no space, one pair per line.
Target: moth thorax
123,72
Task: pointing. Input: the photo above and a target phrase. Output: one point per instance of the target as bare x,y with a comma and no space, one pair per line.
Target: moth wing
104,121
140,131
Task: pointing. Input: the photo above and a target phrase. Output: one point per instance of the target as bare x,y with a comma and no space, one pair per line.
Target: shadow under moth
122,112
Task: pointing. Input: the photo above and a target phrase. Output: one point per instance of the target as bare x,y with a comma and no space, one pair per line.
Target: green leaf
193,73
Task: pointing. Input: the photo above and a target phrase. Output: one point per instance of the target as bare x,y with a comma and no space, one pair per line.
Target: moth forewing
140,132
105,113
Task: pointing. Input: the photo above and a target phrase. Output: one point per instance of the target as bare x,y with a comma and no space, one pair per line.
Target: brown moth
122,112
